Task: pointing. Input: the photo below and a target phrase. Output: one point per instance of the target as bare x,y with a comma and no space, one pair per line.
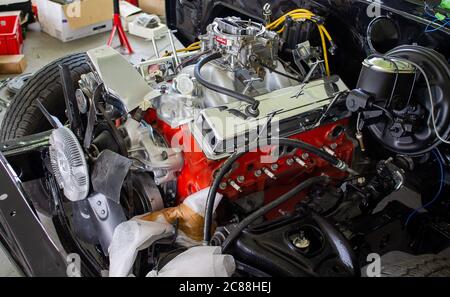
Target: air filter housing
69,164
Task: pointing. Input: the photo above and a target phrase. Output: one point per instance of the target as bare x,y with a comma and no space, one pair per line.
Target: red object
11,38
134,2
221,40
117,26
34,8
198,171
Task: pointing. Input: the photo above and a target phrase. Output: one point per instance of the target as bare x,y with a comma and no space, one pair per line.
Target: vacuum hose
252,109
235,156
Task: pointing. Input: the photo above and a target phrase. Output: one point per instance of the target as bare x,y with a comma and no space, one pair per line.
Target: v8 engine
207,112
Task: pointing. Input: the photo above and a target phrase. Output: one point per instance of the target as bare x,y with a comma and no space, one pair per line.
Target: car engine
258,128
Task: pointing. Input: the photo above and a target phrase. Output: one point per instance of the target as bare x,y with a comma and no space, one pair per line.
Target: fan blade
54,121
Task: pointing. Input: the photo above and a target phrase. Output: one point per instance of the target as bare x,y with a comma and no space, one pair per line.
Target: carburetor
243,43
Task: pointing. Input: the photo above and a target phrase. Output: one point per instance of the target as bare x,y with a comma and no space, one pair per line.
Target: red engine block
248,175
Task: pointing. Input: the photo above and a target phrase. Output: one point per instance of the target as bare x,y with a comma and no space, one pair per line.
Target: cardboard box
157,7
75,20
12,64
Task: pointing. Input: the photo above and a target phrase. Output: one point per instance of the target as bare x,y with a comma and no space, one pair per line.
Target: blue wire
429,14
436,28
435,20
440,160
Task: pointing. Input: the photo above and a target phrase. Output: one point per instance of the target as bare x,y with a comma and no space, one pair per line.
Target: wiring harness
304,14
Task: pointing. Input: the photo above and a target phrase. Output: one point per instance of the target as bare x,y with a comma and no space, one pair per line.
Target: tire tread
23,117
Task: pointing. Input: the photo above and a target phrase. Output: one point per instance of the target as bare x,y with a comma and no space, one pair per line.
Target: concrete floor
40,49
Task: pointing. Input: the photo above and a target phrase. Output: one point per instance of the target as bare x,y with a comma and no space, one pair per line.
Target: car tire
23,117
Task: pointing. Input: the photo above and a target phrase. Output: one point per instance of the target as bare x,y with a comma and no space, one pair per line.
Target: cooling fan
69,164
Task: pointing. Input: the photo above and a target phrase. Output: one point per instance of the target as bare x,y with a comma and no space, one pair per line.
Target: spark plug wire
300,14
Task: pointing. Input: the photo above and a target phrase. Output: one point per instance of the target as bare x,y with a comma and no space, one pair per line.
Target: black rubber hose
270,206
230,161
253,108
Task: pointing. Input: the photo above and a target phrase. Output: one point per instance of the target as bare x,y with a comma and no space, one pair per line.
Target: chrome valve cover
219,131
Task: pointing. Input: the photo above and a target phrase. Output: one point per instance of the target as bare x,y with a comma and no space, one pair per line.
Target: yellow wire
325,52
293,14
194,44
325,31
297,14
296,17
281,19
188,49
192,47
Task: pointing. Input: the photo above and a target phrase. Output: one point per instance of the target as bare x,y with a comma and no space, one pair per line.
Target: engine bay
249,146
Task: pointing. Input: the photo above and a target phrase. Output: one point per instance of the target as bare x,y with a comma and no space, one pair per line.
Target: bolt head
361,180
301,242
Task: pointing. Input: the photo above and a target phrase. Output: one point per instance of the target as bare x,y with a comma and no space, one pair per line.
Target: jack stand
117,26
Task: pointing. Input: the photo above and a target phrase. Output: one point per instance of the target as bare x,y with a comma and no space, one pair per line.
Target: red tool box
11,38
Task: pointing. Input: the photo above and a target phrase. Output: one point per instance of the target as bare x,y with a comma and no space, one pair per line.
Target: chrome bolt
333,146
240,179
269,173
235,185
274,166
223,186
258,173
305,156
299,161
289,162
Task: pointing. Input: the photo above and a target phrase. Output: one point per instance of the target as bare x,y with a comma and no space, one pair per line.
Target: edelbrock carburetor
243,43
